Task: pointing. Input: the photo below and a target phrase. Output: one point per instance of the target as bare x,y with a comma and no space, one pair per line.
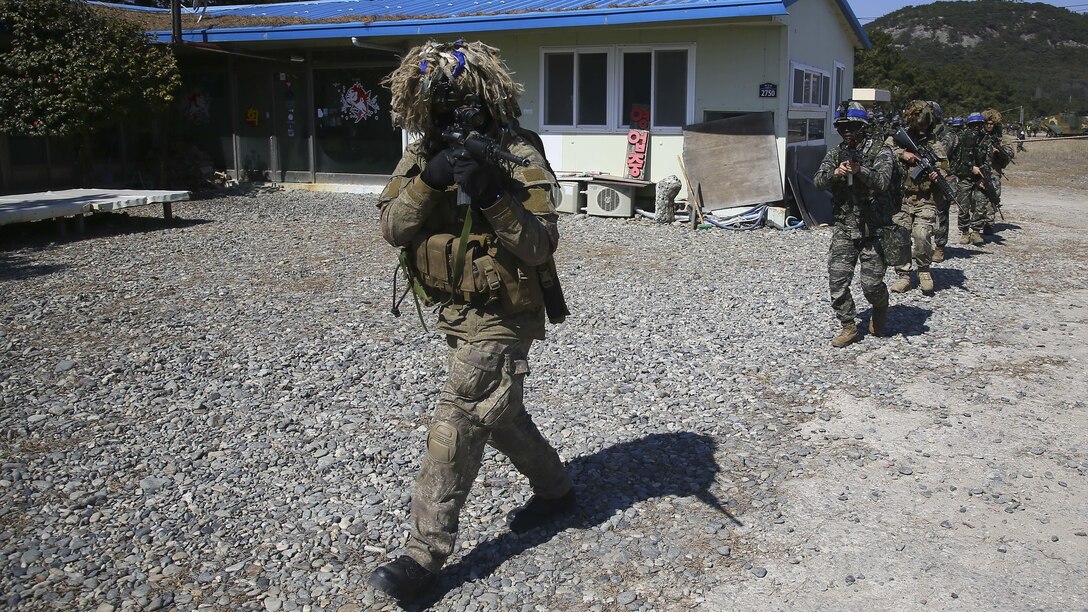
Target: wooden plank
21,208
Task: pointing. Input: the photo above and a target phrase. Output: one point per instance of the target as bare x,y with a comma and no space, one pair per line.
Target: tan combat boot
976,238
848,334
901,284
965,238
877,319
938,254
925,281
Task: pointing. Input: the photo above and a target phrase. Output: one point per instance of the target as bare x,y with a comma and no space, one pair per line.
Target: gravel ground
222,414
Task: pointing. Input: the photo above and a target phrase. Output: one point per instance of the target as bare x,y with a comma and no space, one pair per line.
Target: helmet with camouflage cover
991,115
975,119
919,115
435,78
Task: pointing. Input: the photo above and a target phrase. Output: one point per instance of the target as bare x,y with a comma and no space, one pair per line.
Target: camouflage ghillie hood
467,68
920,115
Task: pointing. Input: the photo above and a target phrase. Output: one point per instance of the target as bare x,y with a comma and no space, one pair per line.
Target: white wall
731,61
820,36
732,58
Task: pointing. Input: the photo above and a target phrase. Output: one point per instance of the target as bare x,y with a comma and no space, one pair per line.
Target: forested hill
1042,50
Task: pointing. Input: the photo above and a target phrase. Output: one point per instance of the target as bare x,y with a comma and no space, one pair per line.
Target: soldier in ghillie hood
918,209
1001,155
471,204
858,173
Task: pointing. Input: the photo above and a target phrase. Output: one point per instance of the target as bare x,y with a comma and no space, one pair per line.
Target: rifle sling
462,246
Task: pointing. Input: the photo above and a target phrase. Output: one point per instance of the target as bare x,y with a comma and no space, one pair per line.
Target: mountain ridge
1040,49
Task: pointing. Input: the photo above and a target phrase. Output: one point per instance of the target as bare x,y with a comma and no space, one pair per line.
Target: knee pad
442,442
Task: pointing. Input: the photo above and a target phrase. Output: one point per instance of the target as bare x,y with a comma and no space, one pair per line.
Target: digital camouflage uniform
481,402
1001,155
945,135
971,149
859,211
918,210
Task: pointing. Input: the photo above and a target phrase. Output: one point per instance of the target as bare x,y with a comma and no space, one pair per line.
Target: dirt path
973,495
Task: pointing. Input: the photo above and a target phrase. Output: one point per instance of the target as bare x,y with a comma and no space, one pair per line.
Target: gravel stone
235,420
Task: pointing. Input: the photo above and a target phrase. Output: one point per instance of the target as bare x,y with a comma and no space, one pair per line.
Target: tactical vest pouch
520,283
895,244
434,257
490,274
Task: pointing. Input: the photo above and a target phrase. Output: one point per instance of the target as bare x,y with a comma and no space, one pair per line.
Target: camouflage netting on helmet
919,115
469,67
992,115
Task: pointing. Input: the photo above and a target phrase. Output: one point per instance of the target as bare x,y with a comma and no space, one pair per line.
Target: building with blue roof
290,92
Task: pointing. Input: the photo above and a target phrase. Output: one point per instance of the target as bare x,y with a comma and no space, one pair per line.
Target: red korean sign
638,155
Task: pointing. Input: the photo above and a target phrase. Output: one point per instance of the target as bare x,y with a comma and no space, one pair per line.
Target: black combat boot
402,579
538,510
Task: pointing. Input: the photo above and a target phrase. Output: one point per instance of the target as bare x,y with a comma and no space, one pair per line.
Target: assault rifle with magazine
927,163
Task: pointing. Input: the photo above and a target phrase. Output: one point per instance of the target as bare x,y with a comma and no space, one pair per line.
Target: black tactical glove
480,181
439,171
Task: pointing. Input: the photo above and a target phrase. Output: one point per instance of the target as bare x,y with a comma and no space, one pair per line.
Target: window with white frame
609,89
842,91
811,86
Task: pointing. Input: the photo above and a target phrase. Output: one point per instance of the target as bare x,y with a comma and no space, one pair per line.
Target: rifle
849,152
927,163
462,132
988,188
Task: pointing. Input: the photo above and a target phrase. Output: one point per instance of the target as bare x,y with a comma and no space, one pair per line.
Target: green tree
67,70
883,67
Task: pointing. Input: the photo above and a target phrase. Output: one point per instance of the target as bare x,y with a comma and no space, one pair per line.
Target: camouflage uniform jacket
949,137
861,209
925,190
1004,152
972,148
523,221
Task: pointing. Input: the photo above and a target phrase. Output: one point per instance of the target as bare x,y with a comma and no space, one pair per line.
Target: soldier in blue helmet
858,173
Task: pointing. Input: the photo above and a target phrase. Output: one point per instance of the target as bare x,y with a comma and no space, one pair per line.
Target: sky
868,10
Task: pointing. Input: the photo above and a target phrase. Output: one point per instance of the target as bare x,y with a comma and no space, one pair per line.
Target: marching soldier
858,174
920,194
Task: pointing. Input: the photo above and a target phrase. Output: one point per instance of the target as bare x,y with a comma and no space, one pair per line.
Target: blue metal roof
439,17
378,18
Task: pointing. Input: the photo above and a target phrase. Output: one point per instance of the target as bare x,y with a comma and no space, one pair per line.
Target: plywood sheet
733,162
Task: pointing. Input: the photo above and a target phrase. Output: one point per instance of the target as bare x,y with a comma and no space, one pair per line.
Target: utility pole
175,21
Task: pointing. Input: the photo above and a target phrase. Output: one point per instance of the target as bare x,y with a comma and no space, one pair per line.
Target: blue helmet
955,121
975,118
936,109
851,112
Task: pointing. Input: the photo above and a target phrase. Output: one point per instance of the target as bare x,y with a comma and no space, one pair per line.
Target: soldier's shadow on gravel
608,482
946,278
961,253
15,267
908,320
1000,227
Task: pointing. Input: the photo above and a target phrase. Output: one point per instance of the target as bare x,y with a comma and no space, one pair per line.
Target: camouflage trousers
989,217
940,228
973,206
481,404
920,216
843,256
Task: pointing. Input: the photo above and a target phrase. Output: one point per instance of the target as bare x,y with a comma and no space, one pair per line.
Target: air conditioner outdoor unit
574,197
610,200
